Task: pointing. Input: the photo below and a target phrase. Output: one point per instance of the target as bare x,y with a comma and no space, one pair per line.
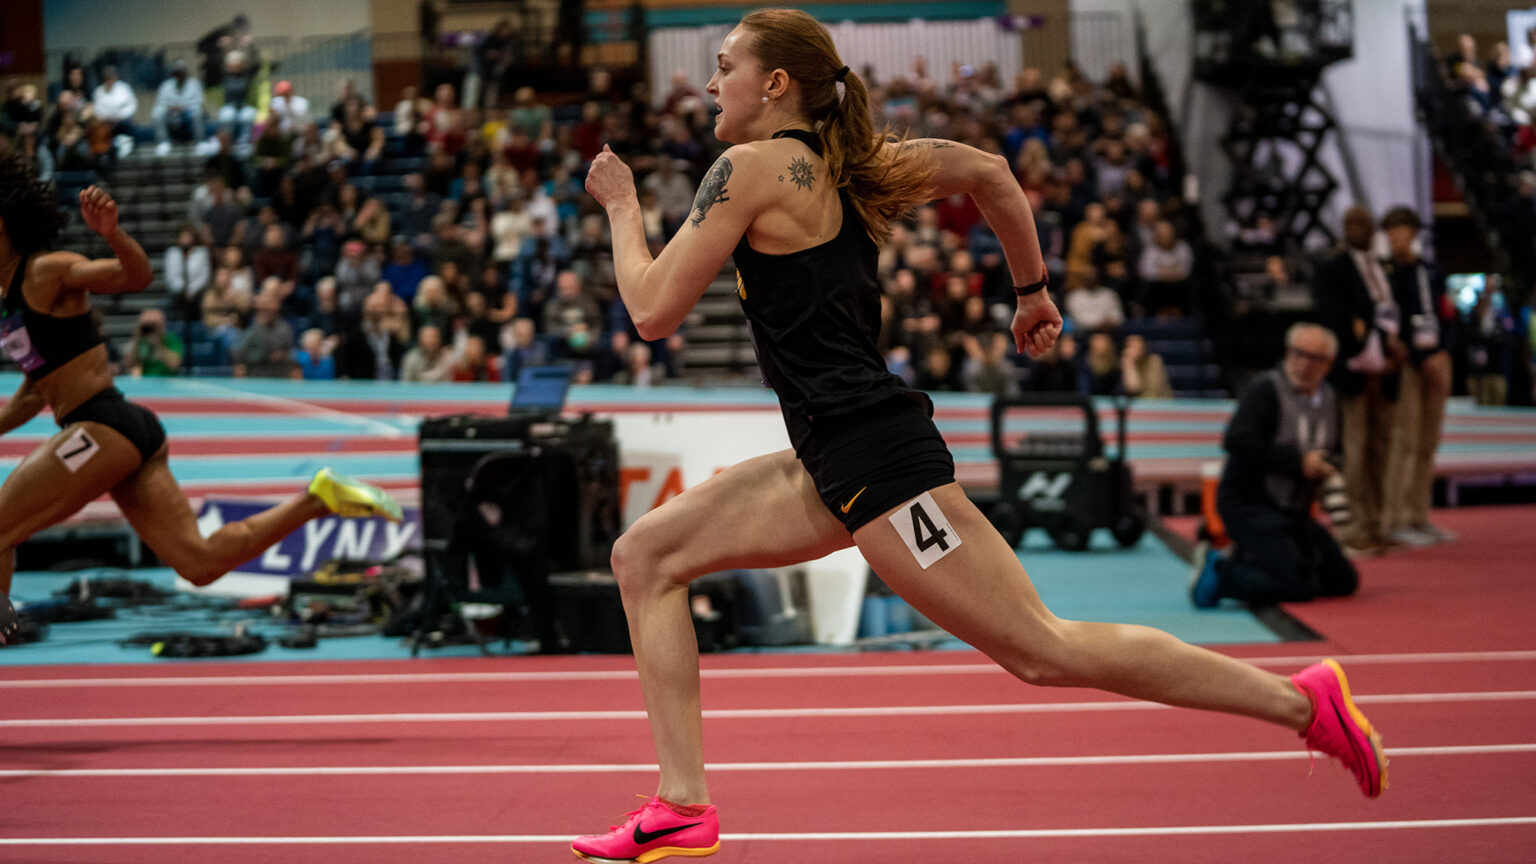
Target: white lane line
297,407
710,714
905,670
718,767
802,836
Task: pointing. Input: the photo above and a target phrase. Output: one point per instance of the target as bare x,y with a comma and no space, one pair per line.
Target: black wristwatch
1032,288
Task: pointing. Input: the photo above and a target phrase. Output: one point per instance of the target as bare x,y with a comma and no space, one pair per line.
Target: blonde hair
882,179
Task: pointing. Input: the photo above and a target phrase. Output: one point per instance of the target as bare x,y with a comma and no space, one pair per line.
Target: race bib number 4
924,529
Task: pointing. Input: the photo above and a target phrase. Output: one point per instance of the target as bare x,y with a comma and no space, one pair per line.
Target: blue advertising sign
319,541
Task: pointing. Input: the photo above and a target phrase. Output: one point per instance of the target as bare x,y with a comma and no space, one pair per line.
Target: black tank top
40,343
815,318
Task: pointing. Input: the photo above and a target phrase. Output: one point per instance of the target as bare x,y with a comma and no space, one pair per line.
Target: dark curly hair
29,208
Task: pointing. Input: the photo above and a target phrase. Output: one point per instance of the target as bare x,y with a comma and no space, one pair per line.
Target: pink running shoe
1339,729
651,833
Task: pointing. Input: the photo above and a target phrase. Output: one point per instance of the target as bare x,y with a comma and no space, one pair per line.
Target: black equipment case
1062,481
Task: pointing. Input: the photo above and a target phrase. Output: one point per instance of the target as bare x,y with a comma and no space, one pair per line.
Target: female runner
106,444
801,201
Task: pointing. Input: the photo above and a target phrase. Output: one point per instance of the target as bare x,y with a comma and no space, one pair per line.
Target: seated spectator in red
957,214
963,265
275,260
443,122
588,134
520,151
474,363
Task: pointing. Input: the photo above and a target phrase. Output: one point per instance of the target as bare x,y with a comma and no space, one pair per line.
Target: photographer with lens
153,352
1282,447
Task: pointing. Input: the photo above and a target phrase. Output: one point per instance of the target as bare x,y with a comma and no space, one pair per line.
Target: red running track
890,758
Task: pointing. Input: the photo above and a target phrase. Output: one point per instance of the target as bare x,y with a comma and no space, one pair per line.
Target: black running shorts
874,459
136,423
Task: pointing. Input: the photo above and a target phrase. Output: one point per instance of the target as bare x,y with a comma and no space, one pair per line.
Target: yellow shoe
353,498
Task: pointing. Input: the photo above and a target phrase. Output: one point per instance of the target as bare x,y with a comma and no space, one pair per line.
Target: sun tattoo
801,173
711,191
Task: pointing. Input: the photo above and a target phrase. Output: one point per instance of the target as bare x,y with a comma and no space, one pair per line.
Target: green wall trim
829,13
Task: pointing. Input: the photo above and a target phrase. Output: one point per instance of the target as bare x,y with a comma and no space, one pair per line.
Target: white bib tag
77,449
926,532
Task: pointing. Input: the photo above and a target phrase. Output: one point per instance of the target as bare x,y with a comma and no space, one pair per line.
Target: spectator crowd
458,237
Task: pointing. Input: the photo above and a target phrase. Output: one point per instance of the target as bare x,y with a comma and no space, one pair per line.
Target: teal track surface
1142,585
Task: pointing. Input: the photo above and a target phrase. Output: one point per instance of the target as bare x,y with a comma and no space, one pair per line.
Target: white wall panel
889,49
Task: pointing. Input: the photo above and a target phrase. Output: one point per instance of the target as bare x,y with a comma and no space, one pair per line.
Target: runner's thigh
763,512
973,586
76,466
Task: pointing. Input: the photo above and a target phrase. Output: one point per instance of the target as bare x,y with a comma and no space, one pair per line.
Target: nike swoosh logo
643,836
855,497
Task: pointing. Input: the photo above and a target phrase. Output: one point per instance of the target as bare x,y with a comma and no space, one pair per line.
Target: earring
765,98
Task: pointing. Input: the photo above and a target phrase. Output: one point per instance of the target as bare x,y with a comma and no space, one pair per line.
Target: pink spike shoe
1339,729
651,833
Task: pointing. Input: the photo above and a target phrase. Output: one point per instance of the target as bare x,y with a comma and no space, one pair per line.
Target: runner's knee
197,568
632,567
637,561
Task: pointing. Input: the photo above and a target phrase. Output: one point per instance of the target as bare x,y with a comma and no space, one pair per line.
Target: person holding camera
153,352
1282,444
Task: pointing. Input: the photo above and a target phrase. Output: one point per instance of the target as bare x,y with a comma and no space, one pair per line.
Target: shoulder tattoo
711,191
800,173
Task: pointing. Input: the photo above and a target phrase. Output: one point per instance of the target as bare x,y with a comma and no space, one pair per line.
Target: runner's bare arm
125,273
23,406
660,292
962,169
